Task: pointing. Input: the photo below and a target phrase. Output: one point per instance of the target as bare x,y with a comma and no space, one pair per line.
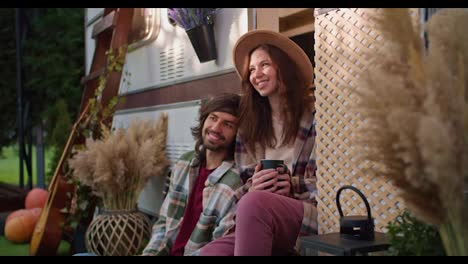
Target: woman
276,122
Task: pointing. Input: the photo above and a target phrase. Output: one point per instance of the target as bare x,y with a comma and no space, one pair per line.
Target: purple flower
189,18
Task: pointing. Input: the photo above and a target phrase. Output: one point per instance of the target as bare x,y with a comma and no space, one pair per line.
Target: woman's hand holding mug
272,176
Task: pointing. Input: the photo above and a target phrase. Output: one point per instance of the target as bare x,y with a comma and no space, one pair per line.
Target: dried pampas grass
118,166
413,104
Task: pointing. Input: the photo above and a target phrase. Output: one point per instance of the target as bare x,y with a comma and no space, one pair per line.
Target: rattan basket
118,233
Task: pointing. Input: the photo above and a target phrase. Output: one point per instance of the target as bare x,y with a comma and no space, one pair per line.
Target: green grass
9,165
8,248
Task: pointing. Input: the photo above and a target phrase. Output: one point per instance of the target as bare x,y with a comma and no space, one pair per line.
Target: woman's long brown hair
255,119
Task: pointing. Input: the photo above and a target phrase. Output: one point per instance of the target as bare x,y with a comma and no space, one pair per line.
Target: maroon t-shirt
192,212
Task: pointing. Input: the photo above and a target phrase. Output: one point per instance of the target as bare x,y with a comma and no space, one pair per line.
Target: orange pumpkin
35,211
15,214
20,224
36,198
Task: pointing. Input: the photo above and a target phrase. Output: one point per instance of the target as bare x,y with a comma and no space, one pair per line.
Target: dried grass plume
118,166
413,103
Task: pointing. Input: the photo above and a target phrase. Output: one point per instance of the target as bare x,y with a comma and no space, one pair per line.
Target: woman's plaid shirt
303,170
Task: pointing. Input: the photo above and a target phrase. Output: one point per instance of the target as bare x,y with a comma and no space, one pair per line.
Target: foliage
58,136
100,113
189,18
54,65
413,104
53,50
7,78
410,236
53,60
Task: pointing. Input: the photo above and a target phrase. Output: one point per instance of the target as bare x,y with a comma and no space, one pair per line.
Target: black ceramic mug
273,164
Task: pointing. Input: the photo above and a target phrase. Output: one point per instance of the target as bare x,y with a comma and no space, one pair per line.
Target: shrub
412,237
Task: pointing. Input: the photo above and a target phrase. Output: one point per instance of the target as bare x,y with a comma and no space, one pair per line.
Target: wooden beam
284,12
267,18
297,23
182,92
107,22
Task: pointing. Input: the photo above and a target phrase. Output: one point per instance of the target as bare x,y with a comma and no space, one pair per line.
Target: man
200,204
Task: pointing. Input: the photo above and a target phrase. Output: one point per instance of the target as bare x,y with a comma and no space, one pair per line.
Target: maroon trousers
266,224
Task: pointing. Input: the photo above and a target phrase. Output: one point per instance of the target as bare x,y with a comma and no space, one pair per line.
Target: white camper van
162,72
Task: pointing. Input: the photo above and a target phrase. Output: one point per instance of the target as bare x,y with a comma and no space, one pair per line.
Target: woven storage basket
118,233
341,37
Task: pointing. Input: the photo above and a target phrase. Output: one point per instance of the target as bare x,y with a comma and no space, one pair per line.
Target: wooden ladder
111,33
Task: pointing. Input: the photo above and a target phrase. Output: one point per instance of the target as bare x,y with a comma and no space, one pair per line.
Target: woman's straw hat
253,39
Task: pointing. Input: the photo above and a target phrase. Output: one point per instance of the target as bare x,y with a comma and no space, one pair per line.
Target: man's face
219,131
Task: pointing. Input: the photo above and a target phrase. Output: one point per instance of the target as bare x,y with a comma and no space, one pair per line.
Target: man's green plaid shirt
219,206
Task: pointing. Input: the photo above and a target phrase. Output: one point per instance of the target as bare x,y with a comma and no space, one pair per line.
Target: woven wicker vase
118,233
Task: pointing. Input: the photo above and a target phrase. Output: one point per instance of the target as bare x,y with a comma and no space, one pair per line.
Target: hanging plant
189,18
198,24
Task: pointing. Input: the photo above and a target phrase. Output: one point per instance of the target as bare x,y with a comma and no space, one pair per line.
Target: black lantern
356,226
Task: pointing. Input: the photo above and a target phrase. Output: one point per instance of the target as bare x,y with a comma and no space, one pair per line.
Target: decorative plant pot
118,233
203,42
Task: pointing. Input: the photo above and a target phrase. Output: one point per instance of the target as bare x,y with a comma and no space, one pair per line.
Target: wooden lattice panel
342,36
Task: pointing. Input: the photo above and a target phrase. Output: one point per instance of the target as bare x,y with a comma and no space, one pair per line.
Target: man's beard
215,147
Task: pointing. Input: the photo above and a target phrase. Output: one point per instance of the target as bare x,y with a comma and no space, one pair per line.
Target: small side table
335,244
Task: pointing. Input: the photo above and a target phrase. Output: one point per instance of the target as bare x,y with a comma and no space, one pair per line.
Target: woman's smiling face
263,73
